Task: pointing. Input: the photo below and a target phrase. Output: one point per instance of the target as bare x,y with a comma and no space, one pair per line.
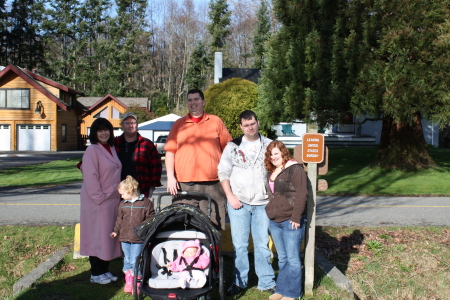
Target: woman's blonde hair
129,185
285,155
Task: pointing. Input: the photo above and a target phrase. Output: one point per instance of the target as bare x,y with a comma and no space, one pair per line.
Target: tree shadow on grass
337,250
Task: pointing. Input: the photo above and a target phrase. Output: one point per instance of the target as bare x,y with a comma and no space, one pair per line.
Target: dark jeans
98,266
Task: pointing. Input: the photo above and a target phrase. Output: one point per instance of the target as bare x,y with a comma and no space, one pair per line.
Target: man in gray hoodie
242,175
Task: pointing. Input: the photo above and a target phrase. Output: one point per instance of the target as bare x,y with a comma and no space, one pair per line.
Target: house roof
161,125
35,80
166,118
249,74
126,101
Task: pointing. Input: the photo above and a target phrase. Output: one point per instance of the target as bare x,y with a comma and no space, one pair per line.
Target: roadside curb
339,279
26,281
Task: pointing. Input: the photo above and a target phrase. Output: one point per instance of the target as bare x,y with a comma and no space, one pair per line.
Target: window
63,133
116,114
102,114
15,98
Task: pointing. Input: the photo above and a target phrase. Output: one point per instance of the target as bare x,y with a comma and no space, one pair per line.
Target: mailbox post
311,152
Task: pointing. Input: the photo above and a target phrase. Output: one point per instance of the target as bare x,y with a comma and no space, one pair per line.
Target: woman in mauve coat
99,201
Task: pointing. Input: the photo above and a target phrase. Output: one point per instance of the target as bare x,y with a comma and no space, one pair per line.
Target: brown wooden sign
322,168
313,148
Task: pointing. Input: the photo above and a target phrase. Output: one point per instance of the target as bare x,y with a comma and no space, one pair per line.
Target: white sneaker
111,276
100,279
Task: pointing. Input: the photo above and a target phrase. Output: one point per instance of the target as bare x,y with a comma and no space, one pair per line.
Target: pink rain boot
128,282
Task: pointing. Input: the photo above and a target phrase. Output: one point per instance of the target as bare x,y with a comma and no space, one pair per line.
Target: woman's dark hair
101,124
285,155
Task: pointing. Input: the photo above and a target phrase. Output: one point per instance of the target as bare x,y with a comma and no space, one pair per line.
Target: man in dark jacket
138,155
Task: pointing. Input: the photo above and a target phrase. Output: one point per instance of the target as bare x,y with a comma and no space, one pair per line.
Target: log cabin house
36,113
108,107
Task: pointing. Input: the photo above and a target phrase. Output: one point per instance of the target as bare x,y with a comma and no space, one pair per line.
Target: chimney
217,66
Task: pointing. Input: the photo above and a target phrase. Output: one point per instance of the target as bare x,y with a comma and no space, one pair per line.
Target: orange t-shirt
197,147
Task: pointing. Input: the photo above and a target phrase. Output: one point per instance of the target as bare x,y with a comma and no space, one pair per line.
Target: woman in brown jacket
287,190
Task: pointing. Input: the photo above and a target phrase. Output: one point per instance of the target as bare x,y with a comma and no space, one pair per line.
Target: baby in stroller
191,263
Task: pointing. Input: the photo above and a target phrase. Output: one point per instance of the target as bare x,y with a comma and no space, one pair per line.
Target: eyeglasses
129,123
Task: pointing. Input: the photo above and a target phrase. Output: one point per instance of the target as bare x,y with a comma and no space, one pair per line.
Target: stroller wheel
137,281
221,280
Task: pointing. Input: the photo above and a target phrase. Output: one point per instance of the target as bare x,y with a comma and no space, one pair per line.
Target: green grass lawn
53,173
350,173
381,263
24,248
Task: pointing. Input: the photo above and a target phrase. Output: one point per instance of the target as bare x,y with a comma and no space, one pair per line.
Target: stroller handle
184,193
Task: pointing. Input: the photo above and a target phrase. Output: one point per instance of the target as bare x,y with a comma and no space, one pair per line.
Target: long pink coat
99,202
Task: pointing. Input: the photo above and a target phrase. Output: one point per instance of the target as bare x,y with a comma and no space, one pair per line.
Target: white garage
33,137
156,127
5,137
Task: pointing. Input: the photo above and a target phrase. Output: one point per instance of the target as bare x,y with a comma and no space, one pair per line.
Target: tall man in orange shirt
193,150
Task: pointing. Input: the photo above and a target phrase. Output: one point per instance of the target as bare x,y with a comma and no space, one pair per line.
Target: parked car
160,143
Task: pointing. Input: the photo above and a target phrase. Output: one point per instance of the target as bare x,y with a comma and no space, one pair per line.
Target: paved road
60,205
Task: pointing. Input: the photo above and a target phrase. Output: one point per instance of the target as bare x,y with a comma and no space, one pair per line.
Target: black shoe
234,290
271,290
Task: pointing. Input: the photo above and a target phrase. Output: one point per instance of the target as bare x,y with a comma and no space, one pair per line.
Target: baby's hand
169,265
113,235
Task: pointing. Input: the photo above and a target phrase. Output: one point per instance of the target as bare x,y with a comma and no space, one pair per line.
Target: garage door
33,137
5,137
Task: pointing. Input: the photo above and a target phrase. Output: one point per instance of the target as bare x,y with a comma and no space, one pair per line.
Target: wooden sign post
312,153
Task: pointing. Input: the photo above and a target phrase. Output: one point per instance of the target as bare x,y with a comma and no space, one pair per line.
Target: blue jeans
288,242
251,218
131,252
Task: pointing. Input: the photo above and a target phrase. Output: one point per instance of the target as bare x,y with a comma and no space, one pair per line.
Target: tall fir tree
93,19
298,78
124,50
25,45
370,57
219,28
405,78
61,39
4,33
198,66
262,34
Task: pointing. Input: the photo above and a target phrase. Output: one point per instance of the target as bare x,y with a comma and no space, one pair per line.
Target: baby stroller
162,237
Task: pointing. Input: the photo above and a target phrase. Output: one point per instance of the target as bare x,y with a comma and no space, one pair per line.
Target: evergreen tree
299,76
61,39
4,33
92,24
198,67
377,58
219,29
405,78
124,51
160,104
25,46
262,34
